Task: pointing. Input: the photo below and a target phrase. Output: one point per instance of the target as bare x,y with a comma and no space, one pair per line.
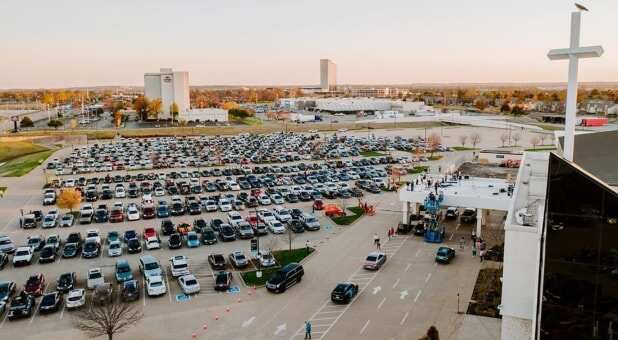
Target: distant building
328,75
205,115
379,92
170,87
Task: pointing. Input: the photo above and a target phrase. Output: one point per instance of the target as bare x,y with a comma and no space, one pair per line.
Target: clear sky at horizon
66,43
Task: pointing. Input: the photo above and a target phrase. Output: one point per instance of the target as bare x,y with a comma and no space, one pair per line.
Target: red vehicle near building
594,121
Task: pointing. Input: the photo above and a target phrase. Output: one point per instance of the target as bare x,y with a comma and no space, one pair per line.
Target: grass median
372,154
349,218
22,165
283,257
12,150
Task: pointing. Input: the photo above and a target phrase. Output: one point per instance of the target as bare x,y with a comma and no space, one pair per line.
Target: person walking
307,330
481,254
378,245
473,249
462,240
388,233
393,232
376,239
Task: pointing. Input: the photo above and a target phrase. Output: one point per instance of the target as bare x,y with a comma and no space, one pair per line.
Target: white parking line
396,283
450,238
418,252
62,311
404,318
408,267
364,327
6,316
381,303
418,295
169,289
428,277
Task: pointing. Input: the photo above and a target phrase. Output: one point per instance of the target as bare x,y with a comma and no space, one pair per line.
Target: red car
117,215
35,285
252,220
318,205
150,232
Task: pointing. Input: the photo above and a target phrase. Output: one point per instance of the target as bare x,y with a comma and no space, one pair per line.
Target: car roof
376,253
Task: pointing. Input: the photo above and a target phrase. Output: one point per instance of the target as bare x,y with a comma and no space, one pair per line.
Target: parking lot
246,312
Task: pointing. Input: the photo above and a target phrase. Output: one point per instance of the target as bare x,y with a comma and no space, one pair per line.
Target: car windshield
340,288
192,237
90,246
22,253
151,266
4,289
5,241
75,298
123,269
94,275
267,257
180,265
442,251
48,219
65,277
222,278
48,299
114,246
310,220
371,258
240,257
191,282
156,284
69,246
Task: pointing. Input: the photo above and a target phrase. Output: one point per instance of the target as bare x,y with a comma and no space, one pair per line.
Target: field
12,150
22,165
372,154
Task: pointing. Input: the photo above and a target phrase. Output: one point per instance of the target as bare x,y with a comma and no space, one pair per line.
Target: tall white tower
328,75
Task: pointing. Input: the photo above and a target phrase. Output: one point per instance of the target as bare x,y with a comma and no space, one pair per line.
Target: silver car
6,245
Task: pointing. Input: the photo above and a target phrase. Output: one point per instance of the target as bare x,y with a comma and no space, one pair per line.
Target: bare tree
433,142
475,138
516,137
463,139
503,138
535,140
106,319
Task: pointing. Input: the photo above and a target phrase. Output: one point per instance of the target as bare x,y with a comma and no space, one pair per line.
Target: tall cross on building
573,54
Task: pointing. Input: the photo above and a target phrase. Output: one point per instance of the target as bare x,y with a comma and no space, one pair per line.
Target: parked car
208,236
123,271
95,278
266,258
114,249
344,292
66,282
451,213
189,284
217,261
71,250
174,241
238,259
76,298
468,216
155,286
179,266
192,240
149,266
50,302
223,280
130,291
22,256
35,285
47,254
22,306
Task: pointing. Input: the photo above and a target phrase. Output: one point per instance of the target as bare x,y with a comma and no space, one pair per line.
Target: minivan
123,271
285,277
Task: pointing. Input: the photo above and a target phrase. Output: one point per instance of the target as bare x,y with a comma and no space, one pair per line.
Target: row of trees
147,109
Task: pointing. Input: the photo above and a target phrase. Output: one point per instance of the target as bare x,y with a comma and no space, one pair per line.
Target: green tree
55,123
26,122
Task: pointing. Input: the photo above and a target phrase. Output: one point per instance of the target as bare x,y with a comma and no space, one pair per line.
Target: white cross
573,54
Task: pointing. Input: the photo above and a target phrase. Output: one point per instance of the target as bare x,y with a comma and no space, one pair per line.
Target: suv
149,266
285,277
468,215
179,266
217,261
310,222
123,271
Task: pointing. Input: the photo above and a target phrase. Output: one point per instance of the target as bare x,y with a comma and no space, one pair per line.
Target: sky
69,43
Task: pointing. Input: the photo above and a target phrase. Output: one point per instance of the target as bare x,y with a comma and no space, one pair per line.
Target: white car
211,206
158,192
155,286
266,259
75,298
234,218
49,221
67,220
282,214
94,235
114,249
132,213
189,284
49,198
277,199
95,278
22,256
276,227
234,186
225,205
264,200
120,192
266,216
179,266
153,243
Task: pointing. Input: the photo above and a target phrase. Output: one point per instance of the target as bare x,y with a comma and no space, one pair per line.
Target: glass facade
580,274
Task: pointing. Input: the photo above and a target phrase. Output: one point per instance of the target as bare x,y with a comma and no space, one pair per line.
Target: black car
48,254
134,246
217,261
296,213
305,196
4,259
296,226
175,241
291,198
227,233
468,216
130,291
216,223
22,306
66,282
208,236
223,280
7,289
445,255
36,243
344,292
50,302
91,249
177,209
71,250
194,208
101,216
167,227
199,225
